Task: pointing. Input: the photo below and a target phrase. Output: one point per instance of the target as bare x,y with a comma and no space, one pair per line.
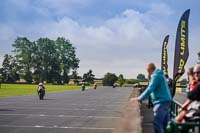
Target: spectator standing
161,98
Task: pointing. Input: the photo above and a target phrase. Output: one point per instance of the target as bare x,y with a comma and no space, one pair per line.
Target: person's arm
153,84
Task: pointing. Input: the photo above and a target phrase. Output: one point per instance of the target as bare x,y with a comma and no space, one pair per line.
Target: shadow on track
6,110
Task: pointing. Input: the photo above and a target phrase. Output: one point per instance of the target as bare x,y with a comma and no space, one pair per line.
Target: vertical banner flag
181,47
164,58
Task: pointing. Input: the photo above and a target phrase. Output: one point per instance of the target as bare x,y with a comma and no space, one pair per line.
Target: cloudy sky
118,36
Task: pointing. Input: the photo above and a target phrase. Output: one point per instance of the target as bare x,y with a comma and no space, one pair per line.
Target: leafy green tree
50,60
67,57
141,77
45,59
121,80
109,79
23,51
198,57
39,74
89,77
75,77
9,70
131,81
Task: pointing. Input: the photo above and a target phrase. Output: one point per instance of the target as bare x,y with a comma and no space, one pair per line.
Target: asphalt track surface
91,111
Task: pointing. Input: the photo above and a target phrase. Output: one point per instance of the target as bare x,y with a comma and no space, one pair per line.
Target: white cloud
123,30
113,46
119,39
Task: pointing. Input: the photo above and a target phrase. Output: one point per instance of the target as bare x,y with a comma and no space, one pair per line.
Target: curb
130,121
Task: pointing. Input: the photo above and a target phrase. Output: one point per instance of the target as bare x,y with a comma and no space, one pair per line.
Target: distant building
99,82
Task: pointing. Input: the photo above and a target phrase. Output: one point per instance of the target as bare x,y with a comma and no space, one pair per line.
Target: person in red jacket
191,79
192,85
195,93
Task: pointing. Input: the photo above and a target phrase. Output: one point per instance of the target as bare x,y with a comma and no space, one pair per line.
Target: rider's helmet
40,84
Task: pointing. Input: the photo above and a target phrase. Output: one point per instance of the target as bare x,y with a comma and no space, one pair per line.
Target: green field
25,89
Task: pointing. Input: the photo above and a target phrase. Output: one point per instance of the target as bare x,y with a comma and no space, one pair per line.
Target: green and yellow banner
181,46
164,58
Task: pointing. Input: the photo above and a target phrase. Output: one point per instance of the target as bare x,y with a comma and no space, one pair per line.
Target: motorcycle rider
95,86
41,89
83,86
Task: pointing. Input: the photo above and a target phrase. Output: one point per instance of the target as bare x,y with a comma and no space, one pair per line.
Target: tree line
41,60
51,61
111,78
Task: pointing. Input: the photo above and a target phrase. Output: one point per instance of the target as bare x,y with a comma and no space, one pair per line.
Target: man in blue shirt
160,95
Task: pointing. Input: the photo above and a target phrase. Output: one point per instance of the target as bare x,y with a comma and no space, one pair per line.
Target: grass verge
26,89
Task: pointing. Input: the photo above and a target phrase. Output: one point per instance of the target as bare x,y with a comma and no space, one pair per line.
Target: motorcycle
41,93
83,87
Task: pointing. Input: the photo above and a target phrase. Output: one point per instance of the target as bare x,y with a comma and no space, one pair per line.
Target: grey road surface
91,111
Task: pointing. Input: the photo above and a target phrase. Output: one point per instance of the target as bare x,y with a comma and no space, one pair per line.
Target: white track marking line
56,127
66,116
38,126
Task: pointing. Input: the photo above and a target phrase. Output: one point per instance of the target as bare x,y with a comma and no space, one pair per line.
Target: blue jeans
161,116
